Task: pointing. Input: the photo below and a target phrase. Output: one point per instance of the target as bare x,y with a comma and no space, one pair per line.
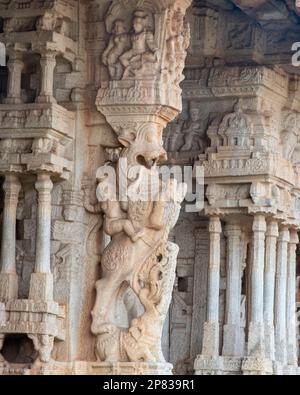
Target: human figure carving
143,49
118,44
116,219
177,45
194,131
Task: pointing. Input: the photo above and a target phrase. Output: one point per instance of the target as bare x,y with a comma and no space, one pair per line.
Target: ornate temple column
232,330
141,96
15,66
48,63
256,327
211,326
41,283
269,287
8,275
291,300
280,295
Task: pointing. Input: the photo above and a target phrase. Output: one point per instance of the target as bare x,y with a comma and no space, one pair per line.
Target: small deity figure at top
194,131
143,48
118,44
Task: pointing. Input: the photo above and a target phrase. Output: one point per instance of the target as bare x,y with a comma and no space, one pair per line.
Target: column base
211,339
280,352
269,341
222,366
41,287
292,359
208,366
12,100
46,99
291,370
8,286
257,365
277,368
232,366
256,339
232,345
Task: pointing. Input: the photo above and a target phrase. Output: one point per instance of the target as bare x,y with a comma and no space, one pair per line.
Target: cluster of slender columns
41,284
15,66
271,293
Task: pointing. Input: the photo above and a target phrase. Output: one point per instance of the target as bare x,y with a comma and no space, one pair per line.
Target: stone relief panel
186,136
135,47
290,136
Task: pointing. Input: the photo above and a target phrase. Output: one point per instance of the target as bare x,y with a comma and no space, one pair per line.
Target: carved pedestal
41,322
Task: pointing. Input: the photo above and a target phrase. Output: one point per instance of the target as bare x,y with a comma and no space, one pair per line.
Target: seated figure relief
194,131
118,43
188,135
131,54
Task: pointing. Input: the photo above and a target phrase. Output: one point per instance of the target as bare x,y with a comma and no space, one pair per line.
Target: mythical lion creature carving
139,254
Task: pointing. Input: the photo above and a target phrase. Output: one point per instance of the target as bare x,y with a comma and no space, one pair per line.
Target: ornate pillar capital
294,238
259,224
272,228
214,224
284,234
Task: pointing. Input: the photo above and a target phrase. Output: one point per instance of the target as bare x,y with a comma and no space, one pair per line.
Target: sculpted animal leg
106,294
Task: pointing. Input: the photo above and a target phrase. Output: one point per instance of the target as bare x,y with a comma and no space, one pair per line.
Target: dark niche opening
18,349
3,82
183,284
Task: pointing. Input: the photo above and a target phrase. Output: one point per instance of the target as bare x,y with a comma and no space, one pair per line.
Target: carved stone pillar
232,329
291,300
280,295
269,287
140,98
8,275
41,283
256,362
211,326
256,327
48,63
15,66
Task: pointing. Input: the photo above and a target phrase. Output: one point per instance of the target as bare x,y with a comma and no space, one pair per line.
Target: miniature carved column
256,327
232,330
291,300
41,284
48,63
8,275
211,326
15,66
280,295
269,287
